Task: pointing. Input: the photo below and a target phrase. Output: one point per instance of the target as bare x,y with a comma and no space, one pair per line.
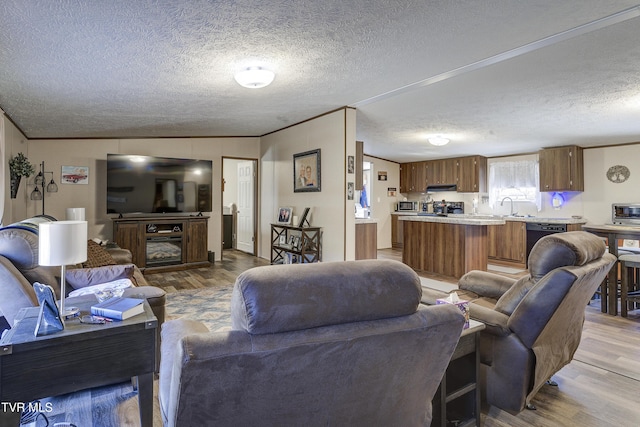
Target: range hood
441,187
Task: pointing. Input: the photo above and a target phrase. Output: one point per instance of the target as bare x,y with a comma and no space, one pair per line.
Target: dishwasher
536,231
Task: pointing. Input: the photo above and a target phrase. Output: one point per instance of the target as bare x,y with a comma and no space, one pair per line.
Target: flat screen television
157,185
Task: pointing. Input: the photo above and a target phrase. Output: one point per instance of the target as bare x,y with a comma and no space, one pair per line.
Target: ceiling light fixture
254,77
438,140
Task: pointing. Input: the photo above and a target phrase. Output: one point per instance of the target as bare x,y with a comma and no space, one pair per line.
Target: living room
272,129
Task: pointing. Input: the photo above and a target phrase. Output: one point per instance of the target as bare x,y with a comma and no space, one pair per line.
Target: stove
444,207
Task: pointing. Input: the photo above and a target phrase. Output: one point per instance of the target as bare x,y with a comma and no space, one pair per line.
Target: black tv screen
149,184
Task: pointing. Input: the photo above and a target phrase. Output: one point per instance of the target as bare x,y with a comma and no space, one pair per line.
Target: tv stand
165,243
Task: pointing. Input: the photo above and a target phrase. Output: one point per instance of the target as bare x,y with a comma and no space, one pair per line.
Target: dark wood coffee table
80,357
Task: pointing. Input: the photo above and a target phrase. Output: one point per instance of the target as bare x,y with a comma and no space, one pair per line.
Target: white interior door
245,221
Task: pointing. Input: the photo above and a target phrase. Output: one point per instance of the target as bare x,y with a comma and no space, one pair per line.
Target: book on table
118,308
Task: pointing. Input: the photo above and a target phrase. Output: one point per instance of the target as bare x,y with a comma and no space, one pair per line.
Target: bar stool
629,290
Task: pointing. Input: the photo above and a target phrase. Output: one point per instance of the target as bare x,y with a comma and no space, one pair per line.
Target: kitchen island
447,246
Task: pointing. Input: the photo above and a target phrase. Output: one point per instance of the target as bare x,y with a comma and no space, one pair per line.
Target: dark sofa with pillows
19,269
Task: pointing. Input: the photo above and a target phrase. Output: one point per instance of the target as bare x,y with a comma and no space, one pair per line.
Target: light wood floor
600,387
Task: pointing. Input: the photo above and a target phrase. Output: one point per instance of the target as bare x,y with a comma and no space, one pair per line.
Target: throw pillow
82,277
97,256
104,291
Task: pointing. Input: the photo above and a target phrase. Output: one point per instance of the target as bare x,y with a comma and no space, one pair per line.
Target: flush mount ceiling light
254,77
438,140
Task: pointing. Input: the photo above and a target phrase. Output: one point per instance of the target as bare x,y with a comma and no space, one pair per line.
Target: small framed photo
296,242
382,175
282,240
351,164
292,240
350,190
306,171
304,218
284,216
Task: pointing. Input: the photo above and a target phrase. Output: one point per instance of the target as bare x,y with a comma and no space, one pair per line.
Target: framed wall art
75,175
306,171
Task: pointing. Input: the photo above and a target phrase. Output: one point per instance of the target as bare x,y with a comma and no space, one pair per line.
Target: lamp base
70,313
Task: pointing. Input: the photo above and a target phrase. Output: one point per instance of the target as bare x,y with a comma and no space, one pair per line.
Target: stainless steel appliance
407,206
625,213
444,207
536,231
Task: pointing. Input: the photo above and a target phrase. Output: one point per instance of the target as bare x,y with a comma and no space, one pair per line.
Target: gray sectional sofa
19,269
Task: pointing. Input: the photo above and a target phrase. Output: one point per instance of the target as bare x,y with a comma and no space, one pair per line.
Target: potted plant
19,166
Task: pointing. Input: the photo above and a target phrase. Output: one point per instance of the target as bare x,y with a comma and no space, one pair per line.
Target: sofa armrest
485,284
171,334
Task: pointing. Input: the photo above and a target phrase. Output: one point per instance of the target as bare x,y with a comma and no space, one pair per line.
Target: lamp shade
75,214
62,242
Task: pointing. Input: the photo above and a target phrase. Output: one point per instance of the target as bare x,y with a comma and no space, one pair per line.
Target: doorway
239,205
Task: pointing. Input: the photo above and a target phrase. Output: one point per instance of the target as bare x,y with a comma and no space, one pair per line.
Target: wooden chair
629,288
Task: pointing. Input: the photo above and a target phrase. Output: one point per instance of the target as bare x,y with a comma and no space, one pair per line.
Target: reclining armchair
533,324
340,343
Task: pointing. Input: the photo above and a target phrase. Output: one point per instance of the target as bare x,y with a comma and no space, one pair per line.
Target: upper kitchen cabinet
472,174
413,177
441,172
561,169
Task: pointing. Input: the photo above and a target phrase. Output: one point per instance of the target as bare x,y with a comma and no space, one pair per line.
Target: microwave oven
625,213
407,206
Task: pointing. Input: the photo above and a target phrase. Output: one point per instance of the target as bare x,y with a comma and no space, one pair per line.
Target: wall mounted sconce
39,181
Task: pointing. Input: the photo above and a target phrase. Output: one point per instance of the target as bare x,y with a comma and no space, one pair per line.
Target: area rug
212,306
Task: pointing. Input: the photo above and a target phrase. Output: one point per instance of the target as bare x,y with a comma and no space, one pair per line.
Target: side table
458,397
81,356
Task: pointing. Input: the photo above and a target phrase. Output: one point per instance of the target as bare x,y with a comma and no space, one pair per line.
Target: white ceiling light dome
254,77
438,140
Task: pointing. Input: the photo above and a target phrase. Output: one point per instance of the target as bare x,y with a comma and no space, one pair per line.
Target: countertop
455,219
534,219
366,221
612,227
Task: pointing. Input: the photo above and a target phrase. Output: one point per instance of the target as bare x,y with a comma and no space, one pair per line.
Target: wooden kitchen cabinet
413,177
396,232
472,174
441,172
561,169
508,242
366,240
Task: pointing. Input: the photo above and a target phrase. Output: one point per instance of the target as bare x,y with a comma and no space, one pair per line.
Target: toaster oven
625,213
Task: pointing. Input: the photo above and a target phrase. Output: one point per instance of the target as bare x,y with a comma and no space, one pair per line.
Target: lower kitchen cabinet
366,240
508,242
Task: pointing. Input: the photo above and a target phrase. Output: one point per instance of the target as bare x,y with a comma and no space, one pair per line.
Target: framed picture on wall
306,171
75,175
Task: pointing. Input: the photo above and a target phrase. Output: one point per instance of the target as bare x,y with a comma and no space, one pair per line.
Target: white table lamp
62,243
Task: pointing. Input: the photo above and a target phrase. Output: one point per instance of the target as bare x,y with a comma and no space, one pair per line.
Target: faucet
511,200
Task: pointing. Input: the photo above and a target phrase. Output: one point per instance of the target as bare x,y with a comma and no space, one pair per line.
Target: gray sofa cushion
322,294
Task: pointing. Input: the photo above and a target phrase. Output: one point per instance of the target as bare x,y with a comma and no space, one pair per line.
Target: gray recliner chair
533,324
340,343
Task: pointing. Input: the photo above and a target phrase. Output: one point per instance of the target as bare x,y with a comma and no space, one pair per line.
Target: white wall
334,135
381,203
14,142
599,192
93,153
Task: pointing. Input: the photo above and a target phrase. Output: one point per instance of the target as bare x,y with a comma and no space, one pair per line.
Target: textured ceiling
497,76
